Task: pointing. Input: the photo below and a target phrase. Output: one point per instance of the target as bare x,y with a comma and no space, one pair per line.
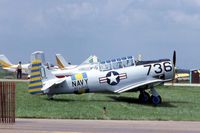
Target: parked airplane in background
116,76
7,65
63,64
67,69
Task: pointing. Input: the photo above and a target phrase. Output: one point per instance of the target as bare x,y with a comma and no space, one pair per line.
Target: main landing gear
155,98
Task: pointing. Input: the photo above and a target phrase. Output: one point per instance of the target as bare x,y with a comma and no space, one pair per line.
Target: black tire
144,97
156,100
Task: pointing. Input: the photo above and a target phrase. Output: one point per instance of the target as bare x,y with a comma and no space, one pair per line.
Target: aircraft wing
47,84
136,85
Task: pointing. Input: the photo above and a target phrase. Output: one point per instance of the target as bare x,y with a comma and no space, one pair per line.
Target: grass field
179,103
6,74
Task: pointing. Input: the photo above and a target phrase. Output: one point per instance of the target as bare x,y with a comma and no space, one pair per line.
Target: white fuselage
96,80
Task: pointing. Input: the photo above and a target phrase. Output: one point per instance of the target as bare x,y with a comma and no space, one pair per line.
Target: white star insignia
113,78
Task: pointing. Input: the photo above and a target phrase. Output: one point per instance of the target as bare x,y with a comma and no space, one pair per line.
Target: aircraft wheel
156,100
144,97
50,97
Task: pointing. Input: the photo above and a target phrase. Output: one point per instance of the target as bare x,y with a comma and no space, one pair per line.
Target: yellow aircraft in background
63,64
7,65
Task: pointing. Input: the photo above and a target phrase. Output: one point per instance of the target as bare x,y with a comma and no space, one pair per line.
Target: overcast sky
107,28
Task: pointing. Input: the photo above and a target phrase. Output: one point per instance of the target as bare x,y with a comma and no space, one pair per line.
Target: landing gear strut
155,98
144,97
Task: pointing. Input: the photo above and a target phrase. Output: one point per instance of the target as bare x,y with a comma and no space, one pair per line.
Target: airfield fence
7,102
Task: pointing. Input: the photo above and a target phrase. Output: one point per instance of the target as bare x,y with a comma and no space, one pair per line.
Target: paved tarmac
98,126
14,80
181,84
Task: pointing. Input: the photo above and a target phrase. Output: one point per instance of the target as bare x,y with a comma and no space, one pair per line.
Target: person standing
19,70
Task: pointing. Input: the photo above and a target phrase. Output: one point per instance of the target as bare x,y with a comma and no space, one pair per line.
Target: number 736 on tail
110,76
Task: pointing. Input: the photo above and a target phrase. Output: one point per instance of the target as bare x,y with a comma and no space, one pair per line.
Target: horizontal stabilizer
51,82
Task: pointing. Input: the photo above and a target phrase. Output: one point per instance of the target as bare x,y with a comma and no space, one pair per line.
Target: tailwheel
156,100
50,97
144,97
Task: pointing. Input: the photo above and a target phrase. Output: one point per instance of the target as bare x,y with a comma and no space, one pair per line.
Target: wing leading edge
136,85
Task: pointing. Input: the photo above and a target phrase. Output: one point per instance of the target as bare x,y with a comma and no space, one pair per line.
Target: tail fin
35,84
4,61
41,79
61,62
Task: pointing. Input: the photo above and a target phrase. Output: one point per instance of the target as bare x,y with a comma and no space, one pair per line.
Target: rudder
61,62
35,84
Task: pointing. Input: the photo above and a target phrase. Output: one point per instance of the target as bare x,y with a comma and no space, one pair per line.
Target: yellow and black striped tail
35,84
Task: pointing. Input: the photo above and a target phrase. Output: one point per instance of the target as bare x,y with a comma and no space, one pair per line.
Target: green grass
179,103
4,74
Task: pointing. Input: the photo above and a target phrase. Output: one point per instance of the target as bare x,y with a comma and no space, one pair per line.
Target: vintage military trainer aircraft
64,65
116,76
67,69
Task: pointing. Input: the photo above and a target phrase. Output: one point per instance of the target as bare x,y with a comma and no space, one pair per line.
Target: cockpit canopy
116,63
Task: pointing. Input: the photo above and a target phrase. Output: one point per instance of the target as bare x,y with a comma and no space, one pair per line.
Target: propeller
174,58
174,65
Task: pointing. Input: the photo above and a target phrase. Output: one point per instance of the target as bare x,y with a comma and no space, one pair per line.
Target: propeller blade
174,64
174,58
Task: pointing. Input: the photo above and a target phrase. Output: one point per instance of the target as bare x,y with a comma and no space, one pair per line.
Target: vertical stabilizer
35,84
61,62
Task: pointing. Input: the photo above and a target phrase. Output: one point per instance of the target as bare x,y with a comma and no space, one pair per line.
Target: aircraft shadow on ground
82,100
132,100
